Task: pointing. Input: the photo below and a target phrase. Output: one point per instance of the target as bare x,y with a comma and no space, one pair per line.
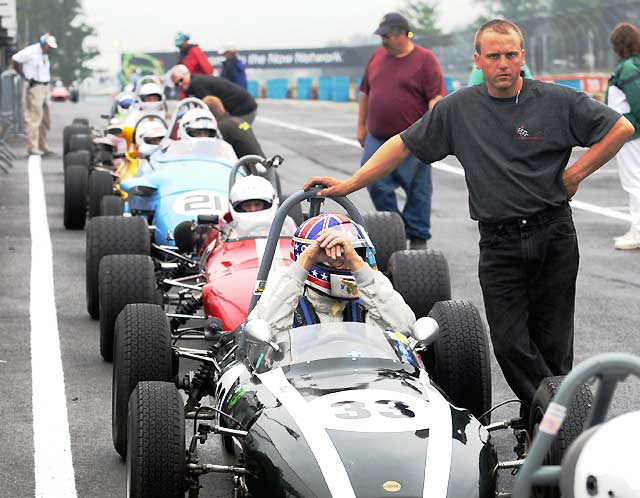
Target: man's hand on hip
361,133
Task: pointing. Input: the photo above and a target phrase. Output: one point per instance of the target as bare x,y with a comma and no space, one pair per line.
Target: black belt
34,82
539,218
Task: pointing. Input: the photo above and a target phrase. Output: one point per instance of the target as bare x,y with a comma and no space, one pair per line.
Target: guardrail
11,115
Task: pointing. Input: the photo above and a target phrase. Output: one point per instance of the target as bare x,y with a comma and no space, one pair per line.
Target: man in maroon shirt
192,56
401,82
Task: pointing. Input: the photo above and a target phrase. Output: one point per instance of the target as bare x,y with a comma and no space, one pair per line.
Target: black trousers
528,269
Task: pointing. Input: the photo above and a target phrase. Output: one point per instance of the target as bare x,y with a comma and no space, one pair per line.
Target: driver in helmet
148,137
253,203
152,98
198,124
120,106
333,278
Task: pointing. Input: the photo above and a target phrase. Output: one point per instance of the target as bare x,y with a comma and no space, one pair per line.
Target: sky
150,25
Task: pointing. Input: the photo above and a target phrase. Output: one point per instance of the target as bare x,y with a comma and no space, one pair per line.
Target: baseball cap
50,40
180,38
392,20
228,47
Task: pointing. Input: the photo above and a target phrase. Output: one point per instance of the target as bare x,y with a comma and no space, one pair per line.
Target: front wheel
156,461
75,197
571,428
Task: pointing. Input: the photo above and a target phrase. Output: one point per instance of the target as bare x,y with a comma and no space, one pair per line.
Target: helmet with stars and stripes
333,282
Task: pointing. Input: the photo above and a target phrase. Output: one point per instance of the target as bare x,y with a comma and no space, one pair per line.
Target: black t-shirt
513,151
236,100
239,135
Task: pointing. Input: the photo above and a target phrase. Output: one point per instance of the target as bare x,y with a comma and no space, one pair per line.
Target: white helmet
253,188
602,461
122,103
148,136
198,124
151,97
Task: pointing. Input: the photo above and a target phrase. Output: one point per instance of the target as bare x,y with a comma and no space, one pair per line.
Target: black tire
80,121
123,279
72,129
571,428
75,197
103,157
100,184
421,277
142,351
81,141
460,358
386,231
155,442
111,205
111,235
77,157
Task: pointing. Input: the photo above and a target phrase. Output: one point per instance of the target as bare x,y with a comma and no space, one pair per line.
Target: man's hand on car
334,186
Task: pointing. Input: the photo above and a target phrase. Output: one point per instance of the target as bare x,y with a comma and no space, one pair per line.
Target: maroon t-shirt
399,89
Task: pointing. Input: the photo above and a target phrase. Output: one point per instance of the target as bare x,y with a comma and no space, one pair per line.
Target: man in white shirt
32,63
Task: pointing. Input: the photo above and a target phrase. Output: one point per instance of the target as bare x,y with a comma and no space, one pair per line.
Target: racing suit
385,307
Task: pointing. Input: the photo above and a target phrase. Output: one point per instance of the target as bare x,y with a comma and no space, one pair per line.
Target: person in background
236,100
623,95
233,68
192,56
235,131
32,64
513,137
401,82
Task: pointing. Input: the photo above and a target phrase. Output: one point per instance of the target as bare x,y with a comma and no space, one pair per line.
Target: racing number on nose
201,202
357,409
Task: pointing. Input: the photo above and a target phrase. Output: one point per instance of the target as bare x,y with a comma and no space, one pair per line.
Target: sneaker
48,153
415,243
34,152
630,240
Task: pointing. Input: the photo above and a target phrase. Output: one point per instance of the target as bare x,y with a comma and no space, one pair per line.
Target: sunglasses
179,82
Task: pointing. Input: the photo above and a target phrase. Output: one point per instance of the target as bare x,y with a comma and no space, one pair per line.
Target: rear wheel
80,121
156,464
111,205
75,197
386,231
123,279
72,129
81,141
459,359
421,277
571,428
141,351
77,157
100,184
111,235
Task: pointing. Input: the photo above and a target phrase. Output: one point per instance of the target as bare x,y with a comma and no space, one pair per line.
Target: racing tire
111,235
81,141
111,205
100,184
421,277
75,197
386,231
123,279
459,359
141,352
72,129
103,157
80,121
77,157
156,463
571,428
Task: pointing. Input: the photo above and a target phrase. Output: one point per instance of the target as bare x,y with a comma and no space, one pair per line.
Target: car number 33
371,410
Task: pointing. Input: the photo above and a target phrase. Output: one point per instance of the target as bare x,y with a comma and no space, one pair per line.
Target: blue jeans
414,177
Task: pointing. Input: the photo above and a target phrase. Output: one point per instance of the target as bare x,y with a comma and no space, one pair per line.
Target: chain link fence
573,41
12,124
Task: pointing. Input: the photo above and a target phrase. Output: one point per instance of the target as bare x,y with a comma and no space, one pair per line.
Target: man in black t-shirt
236,100
514,137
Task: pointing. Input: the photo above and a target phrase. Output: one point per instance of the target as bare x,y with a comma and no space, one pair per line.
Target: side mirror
425,330
208,219
259,330
143,190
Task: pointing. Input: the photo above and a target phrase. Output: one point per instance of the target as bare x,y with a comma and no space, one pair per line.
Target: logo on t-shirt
523,134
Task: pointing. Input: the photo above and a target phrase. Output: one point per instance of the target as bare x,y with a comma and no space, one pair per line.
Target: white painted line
54,475
439,165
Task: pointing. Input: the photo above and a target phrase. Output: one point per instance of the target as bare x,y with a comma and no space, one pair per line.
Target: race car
315,412
59,92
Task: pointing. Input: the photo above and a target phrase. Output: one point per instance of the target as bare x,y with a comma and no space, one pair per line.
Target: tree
422,17
64,20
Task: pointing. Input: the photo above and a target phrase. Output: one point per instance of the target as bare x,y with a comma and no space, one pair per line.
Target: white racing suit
385,307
